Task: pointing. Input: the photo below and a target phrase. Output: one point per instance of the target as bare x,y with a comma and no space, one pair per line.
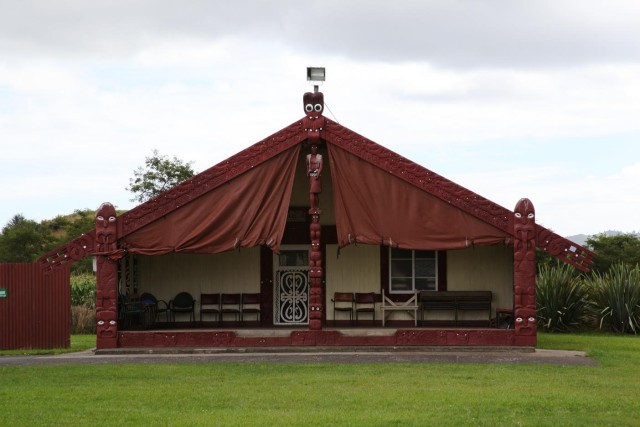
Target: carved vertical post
313,125
524,273
106,277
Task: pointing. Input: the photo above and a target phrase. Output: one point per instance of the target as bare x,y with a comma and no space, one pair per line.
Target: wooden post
106,277
524,273
313,125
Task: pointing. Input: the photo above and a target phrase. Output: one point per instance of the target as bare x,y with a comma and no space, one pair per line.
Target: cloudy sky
510,99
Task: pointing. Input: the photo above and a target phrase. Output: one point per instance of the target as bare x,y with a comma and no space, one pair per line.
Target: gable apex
332,133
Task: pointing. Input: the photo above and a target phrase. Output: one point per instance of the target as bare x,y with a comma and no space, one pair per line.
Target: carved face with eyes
524,211
313,104
106,324
105,214
106,228
525,321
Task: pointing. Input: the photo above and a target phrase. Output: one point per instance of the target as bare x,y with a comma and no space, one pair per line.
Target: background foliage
159,174
562,299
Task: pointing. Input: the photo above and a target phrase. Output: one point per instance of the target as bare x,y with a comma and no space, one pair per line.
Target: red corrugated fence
35,309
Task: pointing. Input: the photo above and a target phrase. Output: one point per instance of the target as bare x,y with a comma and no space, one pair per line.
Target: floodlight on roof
315,74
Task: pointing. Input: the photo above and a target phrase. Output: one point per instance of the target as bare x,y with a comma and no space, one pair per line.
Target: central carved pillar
313,125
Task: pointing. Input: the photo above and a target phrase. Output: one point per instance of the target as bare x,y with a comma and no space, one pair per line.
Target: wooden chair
365,303
250,306
230,304
410,306
343,303
210,304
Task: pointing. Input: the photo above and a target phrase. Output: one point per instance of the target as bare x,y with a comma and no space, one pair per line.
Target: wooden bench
410,306
456,301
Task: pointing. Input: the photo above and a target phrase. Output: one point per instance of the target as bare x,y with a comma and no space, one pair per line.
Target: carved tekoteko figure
524,269
314,172
106,229
314,122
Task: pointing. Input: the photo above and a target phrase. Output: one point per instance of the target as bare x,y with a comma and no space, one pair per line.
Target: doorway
291,286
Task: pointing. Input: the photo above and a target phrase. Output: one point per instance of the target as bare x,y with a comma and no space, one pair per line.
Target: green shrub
83,319
83,303
83,289
561,299
616,295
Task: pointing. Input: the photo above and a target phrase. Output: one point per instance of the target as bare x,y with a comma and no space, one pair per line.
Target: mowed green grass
241,394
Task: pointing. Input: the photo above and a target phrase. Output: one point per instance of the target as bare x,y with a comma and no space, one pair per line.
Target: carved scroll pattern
566,250
70,252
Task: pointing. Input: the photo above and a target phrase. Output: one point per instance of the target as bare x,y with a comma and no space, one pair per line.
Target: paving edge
314,349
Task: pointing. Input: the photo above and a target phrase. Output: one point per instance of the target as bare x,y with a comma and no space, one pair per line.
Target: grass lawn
331,394
78,343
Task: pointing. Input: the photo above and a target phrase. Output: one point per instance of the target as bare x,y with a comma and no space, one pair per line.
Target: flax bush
562,299
616,295
83,303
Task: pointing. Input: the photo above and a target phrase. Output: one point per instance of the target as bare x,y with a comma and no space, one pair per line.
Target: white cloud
484,92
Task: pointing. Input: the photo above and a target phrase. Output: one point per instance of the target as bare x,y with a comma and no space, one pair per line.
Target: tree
614,249
159,174
24,240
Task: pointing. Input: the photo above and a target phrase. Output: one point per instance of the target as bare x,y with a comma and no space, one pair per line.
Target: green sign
4,292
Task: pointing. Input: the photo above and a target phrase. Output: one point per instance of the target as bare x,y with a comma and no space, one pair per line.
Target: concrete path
309,355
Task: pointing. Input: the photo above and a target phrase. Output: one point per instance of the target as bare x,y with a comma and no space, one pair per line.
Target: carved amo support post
524,273
313,125
106,277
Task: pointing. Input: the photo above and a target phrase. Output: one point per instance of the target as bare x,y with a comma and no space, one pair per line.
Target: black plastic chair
158,306
130,312
183,303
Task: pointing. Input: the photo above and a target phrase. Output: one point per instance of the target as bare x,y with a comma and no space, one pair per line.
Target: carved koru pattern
212,178
292,288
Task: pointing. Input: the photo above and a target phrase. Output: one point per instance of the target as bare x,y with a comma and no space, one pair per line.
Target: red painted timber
36,312
402,337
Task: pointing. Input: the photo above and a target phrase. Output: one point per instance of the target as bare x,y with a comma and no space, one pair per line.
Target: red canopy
375,207
249,210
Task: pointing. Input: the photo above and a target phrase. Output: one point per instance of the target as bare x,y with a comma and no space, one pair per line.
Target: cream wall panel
166,275
482,268
356,270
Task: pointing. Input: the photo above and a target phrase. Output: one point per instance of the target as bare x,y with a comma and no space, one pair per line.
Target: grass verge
78,343
335,394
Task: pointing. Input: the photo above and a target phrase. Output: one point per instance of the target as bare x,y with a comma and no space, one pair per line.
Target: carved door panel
291,287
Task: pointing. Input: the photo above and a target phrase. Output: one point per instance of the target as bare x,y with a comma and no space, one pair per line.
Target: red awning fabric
249,210
375,207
